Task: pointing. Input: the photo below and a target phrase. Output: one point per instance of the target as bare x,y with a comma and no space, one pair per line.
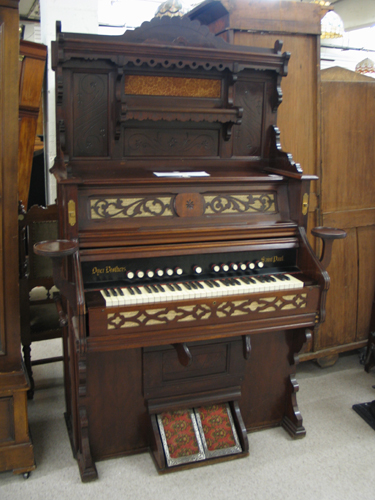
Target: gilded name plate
172,86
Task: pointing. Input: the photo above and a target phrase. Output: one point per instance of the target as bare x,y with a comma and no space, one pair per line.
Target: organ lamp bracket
328,236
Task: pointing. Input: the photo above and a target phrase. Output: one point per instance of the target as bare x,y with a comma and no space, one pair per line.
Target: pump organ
183,260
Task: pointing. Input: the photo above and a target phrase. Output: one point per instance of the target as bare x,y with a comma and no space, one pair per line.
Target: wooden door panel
348,146
366,279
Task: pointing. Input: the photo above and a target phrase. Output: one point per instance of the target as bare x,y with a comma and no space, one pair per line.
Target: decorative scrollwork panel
106,208
237,204
201,312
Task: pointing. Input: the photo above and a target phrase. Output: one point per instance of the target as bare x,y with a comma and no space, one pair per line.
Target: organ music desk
189,283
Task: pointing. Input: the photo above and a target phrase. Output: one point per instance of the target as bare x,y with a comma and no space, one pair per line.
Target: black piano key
216,284
199,284
193,285
106,293
178,287
209,283
137,290
148,289
186,285
280,277
154,288
131,291
160,288
120,292
113,292
169,285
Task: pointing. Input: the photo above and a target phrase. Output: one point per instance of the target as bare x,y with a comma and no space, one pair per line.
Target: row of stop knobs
178,271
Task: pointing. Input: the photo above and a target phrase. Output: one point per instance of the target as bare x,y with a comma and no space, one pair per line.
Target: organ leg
292,421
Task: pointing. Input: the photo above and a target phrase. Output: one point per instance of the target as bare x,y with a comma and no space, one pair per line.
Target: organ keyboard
188,280
165,292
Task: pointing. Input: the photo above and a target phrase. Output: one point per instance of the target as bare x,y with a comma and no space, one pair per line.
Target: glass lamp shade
365,66
332,26
170,8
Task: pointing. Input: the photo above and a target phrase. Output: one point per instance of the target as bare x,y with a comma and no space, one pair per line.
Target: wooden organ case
189,282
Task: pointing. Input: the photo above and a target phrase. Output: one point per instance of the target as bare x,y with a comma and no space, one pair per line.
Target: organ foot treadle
193,437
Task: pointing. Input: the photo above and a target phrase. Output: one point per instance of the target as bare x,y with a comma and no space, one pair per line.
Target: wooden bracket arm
58,250
328,236
184,355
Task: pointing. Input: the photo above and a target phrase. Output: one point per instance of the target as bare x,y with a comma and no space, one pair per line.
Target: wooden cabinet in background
16,450
348,201
31,75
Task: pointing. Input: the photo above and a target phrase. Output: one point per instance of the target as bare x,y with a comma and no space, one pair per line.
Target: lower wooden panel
112,388
117,415
16,449
263,402
6,420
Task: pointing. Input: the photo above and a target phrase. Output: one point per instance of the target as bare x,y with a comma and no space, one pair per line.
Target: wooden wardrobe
348,201
16,450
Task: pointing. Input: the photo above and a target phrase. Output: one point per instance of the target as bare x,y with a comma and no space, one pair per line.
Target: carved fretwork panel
195,313
247,138
240,203
105,208
125,207
171,142
90,115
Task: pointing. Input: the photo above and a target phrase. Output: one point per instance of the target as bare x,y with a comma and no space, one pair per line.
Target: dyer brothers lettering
97,271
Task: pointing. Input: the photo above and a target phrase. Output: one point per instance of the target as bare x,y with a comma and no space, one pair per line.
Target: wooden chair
41,312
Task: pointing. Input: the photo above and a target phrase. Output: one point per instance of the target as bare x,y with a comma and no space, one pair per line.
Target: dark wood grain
127,363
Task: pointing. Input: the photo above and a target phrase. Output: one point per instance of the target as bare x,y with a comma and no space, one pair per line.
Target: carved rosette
201,312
